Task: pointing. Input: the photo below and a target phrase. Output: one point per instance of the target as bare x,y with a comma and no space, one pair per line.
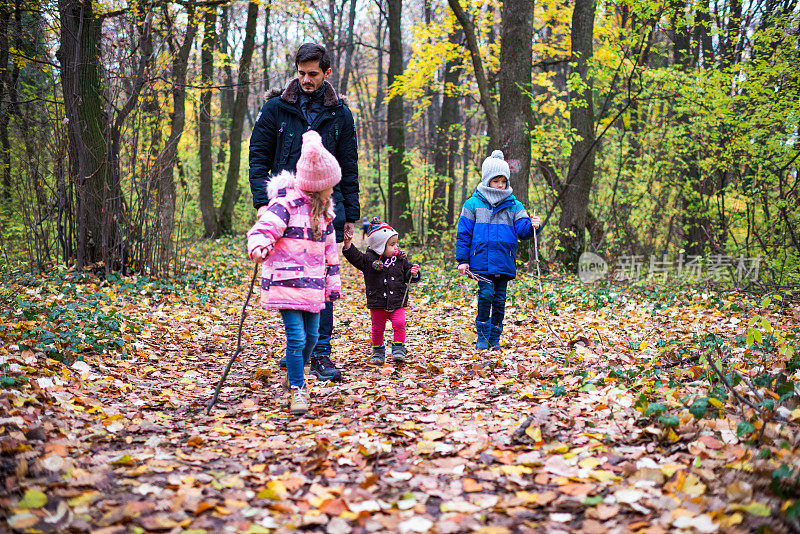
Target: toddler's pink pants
379,318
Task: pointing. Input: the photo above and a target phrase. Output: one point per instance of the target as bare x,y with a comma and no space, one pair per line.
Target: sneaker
398,353
298,401
323,368
378,355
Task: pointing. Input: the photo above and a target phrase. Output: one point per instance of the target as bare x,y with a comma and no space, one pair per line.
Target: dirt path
437,444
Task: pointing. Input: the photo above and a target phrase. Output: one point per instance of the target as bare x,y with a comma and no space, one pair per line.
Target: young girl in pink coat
296,242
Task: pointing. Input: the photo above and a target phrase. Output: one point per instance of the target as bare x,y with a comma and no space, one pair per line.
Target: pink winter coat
300,273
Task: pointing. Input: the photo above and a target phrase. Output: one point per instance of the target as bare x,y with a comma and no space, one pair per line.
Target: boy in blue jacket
491,222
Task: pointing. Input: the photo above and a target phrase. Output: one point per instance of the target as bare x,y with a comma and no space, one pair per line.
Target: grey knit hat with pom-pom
494,165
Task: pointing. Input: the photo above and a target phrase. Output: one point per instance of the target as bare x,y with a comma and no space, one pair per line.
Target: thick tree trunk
516,58
232,191
695,224
98,210
575,201
163,169
446,135
492,122
204,123
399,198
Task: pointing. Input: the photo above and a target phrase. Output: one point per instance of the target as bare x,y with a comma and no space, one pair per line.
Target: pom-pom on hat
378,234
493,166
317,169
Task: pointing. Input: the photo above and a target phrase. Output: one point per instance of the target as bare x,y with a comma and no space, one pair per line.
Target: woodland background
633,127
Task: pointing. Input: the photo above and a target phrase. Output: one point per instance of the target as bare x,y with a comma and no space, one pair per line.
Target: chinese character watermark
715,268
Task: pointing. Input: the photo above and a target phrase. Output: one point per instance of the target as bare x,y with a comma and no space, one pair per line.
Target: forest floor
601,413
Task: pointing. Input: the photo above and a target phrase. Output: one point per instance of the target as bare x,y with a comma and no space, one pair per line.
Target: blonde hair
318,208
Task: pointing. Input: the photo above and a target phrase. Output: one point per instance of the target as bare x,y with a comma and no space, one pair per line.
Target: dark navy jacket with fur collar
277,137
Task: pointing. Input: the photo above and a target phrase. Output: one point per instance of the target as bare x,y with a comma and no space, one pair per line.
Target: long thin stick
539,277
536,253
213,400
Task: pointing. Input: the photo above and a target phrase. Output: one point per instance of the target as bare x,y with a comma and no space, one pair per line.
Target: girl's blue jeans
302,330
492,301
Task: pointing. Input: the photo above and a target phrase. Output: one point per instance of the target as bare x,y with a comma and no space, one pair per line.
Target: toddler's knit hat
494,165
378,234
317,169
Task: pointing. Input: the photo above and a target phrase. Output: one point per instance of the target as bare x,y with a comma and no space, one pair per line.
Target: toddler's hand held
463,268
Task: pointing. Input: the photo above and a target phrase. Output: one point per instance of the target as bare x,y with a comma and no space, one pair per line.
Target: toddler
387,273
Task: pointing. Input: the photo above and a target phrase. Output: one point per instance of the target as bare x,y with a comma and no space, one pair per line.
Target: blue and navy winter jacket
487,237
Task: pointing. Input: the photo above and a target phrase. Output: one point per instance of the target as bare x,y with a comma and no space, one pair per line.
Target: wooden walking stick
238,350
536,253
539,275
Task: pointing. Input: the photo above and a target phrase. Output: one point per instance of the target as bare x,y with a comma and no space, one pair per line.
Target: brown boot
298,401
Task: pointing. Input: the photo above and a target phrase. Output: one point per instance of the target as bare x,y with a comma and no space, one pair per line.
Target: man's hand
259,254
262,210
463,268
348,236
414,270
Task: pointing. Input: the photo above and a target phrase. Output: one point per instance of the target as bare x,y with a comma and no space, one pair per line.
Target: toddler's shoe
398,352
378,355
298,402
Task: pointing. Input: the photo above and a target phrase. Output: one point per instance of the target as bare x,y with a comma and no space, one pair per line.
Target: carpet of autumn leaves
600,414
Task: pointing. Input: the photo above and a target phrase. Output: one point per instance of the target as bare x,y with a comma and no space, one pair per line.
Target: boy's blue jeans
302,329
491,303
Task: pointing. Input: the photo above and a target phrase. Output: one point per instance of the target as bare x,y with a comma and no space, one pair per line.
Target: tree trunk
694,223
232,191
399,198
445,136
204,123
349,47
5,111
265,48
227,93
163,169
575,201
97,208
492,122
465,155
516,58
379,115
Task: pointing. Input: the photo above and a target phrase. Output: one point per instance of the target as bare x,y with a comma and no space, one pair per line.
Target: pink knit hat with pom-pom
317,169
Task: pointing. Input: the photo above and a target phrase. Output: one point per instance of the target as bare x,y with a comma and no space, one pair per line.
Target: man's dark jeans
325,330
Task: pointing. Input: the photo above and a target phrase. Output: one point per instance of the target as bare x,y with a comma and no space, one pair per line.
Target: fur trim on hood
291,93
284,180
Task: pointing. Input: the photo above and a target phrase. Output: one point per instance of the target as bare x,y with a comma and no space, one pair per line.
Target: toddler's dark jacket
387,286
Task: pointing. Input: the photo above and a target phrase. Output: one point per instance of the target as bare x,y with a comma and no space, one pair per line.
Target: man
308,102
